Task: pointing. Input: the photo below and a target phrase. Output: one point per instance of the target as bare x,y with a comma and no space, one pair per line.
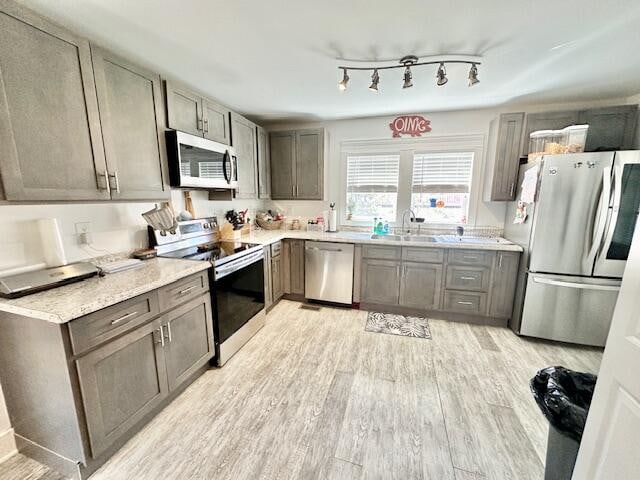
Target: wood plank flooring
314,396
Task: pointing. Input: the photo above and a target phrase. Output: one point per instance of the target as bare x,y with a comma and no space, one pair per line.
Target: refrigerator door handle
584,286
600,220
612,218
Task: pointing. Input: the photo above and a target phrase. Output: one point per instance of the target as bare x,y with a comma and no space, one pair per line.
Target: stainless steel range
236,279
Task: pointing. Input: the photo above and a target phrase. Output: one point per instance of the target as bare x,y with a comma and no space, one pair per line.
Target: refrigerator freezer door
569,309
623,215
565,218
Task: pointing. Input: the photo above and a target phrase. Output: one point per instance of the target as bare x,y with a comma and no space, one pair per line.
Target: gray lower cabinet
268,278
293,266
297,164
264,163
380,281
244,142
505,170
420,285
188,339
276,276
121,382
503,285
132,121
50,140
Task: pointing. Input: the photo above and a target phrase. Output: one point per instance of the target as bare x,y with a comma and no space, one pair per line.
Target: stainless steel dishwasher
328,271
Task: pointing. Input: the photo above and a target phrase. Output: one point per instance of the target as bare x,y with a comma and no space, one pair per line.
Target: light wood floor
315,396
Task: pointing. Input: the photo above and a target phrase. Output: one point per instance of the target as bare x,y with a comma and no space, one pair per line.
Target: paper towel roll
52,247
333,221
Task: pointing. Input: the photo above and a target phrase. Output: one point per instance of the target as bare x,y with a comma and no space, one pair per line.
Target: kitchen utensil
162,219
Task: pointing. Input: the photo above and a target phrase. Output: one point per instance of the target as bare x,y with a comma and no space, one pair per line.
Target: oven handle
235,265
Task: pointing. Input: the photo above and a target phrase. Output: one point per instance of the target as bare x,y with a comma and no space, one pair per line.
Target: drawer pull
187,290
469,257
465,303
467,278
124,317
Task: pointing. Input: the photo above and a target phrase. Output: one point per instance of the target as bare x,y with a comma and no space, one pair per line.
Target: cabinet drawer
471,257
418,254
97,327
276,248
183,290
383,252
465,302
468,278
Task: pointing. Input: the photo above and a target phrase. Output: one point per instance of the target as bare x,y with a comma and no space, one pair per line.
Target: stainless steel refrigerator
576,240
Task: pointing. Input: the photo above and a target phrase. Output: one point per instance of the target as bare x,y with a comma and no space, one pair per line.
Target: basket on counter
269,225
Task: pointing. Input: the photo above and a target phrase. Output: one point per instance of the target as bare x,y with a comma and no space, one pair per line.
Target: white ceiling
277,59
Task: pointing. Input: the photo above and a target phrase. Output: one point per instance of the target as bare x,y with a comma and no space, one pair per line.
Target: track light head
375,80
441,76
342,84
407,78
473,75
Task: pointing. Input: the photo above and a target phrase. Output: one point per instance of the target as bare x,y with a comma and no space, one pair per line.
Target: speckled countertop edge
62,304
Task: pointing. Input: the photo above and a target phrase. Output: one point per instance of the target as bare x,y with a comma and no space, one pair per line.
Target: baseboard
7,445
60,464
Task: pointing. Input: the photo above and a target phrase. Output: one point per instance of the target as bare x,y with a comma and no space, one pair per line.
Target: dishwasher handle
319,249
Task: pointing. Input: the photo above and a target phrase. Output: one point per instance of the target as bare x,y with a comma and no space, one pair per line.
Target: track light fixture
473,75
375,79
342,85
407,62
441,76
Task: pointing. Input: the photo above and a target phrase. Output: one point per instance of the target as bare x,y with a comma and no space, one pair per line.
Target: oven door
238,294
200,163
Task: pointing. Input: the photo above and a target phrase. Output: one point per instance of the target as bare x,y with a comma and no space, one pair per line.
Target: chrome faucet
413,215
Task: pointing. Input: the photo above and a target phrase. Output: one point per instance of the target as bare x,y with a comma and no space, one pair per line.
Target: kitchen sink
440,239
406,238
396,238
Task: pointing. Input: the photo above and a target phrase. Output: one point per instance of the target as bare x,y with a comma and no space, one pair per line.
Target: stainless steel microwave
196,162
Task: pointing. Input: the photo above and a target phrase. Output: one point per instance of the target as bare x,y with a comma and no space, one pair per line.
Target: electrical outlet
83,231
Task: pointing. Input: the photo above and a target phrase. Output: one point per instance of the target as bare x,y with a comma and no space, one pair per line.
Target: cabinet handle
511,189
297,191
199,126
500,261
465,303
187,290
206,125
161,342
467,278
114,175
469,257
107,187
169,332
293,190
124,317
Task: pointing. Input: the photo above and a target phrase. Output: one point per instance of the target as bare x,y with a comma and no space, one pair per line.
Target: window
441,185
372,186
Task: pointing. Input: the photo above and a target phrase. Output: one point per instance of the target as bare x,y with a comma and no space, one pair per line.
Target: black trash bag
564,396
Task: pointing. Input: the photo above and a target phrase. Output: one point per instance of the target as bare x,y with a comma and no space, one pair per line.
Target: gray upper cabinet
191,112
547,121
264,164
122,382
611,128
420,285
189,340
215,123
504,284
297,164
244,142
50,140
505,171
283,154
132,120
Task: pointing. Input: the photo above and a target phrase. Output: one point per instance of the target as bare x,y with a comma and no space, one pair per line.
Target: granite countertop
265,237
62,304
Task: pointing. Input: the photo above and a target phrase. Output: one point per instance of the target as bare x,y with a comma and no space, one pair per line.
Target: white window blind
442,172
372,173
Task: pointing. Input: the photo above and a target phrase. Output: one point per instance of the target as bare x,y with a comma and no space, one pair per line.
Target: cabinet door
121,382
504,284
610,128
276,278
188,339
268,278
50,141
264,168
548,121
131,115
244,142
507,161
216,122
380,281
420,285
296,266
184,109
283,152
309,165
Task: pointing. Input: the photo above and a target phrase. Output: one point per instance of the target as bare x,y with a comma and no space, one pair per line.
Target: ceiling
276,59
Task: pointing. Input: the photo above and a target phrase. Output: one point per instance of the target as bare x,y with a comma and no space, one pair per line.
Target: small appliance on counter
333,218
21,284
